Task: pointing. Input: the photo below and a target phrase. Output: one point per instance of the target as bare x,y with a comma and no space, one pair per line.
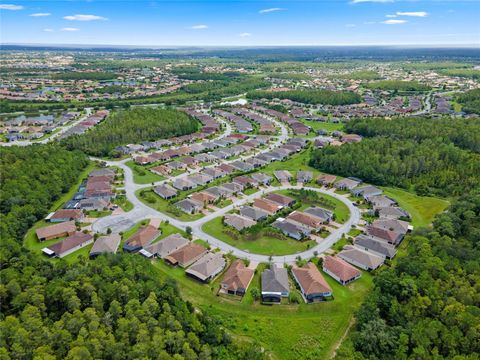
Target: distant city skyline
241,23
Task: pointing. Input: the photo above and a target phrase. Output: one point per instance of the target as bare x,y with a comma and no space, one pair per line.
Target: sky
241,23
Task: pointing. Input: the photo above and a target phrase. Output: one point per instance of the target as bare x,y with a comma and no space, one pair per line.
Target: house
283,200
253,213
189,206
275,284
266,205
176,165
367,191
186,255
207,267
200,179
324,215
232,187
204,197
215,173
380,201
363,259
237,278
93,204
304,176
311,282
392,213
375,245
143,237
389,235
305,220
346,184
261,178
165,191
340,270
184,184
105,244
326,180
245,181
103,172
161,170
63,215
291,229
238,222
56,231
351,138
283,175
69,245
164,247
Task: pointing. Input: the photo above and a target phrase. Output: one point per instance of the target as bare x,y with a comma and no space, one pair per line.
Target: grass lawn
264,245
285,331
142,175
98,214
164,206
327,126
422,209
123,202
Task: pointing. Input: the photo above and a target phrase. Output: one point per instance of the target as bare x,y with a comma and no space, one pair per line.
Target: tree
255,293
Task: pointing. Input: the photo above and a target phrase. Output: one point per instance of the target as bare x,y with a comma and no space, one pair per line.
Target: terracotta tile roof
67,214
57,229
238,276
203,197
280,199
70,242
340,268
188,253
266,205
144,236
311,280
305,219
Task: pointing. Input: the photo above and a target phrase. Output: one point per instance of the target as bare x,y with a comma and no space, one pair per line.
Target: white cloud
199,27
394,22
371,1
70,29
391,16
11,7
412,13
266,11
48,30
40,14
80,17
245,34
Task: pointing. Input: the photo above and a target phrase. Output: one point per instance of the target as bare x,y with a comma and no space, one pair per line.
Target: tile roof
340,268
310,279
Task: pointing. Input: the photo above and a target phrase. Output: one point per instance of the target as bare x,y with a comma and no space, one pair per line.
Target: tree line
132,126
428,305
470,101
326,97
398,85
114,307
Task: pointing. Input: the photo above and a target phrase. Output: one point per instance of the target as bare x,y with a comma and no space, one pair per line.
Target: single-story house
186,255
105,244
324,215
143,237
164,247
275,284
363,259
340,270
69,245
267,205
238,222
207,267
312,284
262,178
392,213
203,197
326,179
237,278
375,245
304,219
183,184
56,231
283,200
93,204
253,213
189,206
346,184
200,179
304,176
165,191
291,229
63,215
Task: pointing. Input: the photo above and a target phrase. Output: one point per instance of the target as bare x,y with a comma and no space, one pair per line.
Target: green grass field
265,245
141,175
329,127
285,331
422,209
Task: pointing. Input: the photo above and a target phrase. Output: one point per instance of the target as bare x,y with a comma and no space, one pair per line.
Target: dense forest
470,101
132,127
428,305
464,133
426,155
115,307
325,97
398,85
466,73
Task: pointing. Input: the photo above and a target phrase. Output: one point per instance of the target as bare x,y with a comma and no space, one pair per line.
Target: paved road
88,111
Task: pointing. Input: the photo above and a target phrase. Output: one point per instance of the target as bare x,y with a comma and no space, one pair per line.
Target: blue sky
243,23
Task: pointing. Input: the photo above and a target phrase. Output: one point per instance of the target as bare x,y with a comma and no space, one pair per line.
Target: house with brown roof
56,231
283,200
186,255
207,267
237,278
69,245
304,219
312,284
143,237
63,215
267,205
340,270
326,179
203,197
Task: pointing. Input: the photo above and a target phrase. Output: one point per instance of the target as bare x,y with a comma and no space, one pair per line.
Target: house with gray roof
375,245
393,213
346,184
367,191
164,247
238,222
165,191
365,260
183,184
321,213
253,213
105,244
295,231
275,284
304,176
261,178
189,206
207,267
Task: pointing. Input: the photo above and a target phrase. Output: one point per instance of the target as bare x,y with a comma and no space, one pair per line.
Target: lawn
123,202
285,331
265,245
142,175
327,126
422,209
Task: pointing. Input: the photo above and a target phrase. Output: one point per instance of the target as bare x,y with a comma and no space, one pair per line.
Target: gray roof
167,246
253,213
352,254
392,212
208,265
320,213
275,280
106,244
376,245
